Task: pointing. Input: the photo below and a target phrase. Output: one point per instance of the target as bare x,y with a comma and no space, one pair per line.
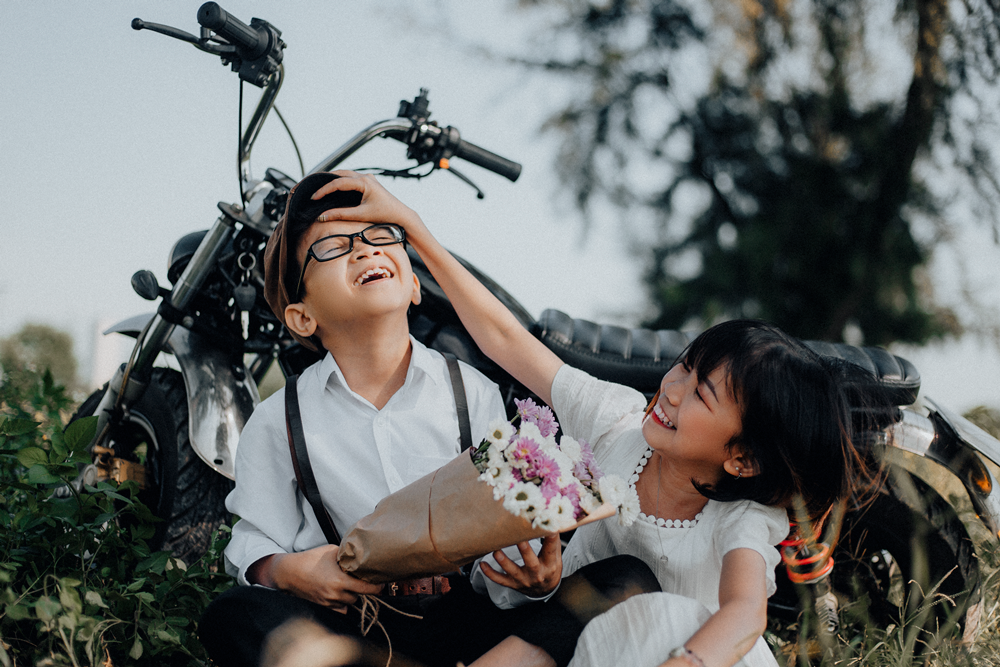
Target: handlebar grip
239,34
487,160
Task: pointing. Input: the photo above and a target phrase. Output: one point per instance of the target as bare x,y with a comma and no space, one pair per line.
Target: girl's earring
739,473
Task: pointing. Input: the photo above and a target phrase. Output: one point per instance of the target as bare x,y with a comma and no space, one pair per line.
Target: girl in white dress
747,420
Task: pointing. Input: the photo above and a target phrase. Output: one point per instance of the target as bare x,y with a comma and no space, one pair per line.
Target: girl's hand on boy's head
377,203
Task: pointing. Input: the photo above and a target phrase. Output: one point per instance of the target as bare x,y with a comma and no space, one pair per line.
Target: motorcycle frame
221,395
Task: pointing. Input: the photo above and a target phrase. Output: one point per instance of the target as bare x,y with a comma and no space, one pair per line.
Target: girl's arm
496,331
742,617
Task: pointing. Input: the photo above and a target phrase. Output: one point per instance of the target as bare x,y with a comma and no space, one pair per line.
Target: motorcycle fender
220,397
920,436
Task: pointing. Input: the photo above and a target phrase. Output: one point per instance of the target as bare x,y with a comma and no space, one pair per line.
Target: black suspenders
300,454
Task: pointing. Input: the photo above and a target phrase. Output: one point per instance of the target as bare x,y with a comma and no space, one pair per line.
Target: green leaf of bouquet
80,432
30,456
136,651
38,474
16,426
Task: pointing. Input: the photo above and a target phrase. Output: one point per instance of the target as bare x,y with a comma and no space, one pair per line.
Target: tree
819,199
35,348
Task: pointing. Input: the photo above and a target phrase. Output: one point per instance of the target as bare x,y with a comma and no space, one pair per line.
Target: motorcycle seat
639,358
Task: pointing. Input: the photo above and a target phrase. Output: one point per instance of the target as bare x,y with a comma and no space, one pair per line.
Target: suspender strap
300,461
461,405
300,454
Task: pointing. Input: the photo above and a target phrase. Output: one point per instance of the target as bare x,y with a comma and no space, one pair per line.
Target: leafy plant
78,583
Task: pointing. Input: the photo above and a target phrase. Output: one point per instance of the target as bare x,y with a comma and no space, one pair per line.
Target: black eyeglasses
338,245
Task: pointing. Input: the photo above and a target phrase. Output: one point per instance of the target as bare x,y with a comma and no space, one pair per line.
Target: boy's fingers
499,577
527,555
516,573
550,543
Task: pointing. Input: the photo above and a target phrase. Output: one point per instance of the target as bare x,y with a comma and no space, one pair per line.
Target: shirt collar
422,360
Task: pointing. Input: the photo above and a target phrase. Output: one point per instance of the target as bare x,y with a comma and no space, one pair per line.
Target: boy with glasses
377,413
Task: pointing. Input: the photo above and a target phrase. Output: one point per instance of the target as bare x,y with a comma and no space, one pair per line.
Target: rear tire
180,488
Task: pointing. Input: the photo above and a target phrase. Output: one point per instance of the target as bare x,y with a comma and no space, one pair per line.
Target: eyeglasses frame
310,254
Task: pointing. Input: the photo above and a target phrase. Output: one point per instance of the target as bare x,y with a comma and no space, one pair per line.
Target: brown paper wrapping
435,525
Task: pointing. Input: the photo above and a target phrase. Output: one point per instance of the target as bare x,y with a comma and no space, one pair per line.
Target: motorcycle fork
132,378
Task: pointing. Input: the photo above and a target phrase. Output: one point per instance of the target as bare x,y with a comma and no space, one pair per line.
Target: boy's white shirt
359,455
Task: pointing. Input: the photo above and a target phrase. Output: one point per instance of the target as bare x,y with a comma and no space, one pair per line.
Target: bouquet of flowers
516,485
554,485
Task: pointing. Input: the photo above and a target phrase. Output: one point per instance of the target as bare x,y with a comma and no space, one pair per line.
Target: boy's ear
297,319
739,466
415,299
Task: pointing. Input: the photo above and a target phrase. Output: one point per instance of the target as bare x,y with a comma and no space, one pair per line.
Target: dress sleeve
264,497
750,525
588,408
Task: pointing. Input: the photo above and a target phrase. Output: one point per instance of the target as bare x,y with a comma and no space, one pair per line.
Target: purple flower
550,489
586,469
573,493
546,421
524,449
527,410
541,467
541,417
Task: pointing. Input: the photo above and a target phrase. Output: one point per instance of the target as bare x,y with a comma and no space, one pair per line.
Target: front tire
180,488
906,550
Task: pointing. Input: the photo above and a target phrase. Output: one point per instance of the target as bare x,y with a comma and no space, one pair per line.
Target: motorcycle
174,429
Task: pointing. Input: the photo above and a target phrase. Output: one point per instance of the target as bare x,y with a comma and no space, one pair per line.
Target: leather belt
424,586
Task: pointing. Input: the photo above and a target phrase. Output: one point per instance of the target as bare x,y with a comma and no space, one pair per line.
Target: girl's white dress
687,560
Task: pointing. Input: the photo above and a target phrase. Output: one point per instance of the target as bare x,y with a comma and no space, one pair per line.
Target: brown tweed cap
279,255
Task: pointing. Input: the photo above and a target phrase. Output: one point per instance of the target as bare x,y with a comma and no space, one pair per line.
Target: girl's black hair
798,430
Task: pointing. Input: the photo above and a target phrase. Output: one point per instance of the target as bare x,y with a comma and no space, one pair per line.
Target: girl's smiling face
693,420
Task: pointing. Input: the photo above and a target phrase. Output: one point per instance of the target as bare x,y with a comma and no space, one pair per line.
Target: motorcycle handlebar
487,160
252,42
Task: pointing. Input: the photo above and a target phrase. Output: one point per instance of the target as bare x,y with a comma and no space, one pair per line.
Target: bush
78,583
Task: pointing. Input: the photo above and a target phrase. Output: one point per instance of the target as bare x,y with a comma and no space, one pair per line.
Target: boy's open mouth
661,418
371,275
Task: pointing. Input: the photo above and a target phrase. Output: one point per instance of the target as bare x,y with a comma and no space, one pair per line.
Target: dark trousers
460,625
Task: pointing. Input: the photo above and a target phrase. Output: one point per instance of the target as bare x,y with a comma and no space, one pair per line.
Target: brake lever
446,165
202,44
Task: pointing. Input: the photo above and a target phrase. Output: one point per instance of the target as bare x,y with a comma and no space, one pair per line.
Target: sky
115,143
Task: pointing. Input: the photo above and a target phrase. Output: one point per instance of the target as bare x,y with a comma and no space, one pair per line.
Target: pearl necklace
656,521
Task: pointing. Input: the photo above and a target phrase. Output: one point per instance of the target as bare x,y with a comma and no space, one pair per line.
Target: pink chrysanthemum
541,417
527,410
550,489
541,467
546,421
524,449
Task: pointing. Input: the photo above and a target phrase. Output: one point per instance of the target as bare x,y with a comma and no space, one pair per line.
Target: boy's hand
316,576
537,576
377,203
